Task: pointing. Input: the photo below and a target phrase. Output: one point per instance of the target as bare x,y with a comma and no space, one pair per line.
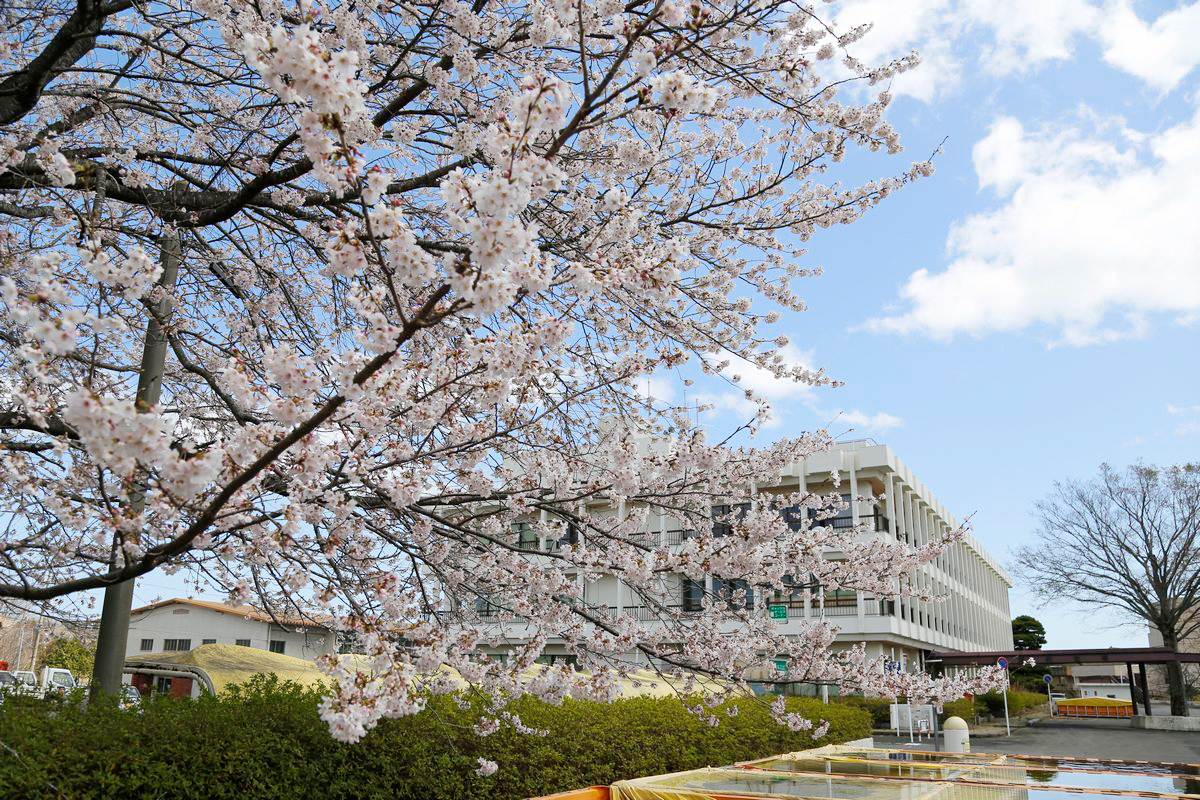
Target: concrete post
1132,687
1145,688
956,735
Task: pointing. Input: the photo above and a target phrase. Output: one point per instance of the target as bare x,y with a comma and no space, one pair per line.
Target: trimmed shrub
265,740
880,708
1018,701
969,710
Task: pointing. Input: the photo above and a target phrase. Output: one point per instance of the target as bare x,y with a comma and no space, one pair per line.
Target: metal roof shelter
1110,655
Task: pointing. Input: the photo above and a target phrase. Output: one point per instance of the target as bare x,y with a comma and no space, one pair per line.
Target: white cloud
1189,418
900,26
780,393
764,383
789,399
660,387
1025,33
1097,231
1017,36
1183,411
880,422
1161,53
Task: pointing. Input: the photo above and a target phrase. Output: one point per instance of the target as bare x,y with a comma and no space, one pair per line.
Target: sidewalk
1084,722
1092,742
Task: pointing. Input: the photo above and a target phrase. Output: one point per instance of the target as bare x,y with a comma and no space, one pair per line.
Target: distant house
1100,680
182,624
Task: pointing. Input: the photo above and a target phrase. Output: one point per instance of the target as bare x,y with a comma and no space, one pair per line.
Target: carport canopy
1110,655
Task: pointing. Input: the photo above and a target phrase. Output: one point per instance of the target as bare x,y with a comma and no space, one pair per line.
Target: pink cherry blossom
429,255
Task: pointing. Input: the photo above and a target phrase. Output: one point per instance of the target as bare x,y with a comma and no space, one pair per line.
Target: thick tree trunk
21,90
1175,688
113,637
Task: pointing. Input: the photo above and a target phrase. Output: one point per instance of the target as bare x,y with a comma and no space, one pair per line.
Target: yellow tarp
1093,701
227,664
640,683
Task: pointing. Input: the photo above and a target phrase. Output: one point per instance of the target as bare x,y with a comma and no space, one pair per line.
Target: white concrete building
182,624
975,617
1100,680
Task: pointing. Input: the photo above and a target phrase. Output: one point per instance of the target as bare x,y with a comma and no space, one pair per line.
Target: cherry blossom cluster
302,71
429,255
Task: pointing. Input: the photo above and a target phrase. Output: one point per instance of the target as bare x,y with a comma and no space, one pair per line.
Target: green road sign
778,612
780,665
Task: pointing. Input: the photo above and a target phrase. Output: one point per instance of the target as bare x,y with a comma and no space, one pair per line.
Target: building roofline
1108,655
891,462
247,612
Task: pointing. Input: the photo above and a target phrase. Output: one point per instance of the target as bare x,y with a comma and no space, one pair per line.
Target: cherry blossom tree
406,267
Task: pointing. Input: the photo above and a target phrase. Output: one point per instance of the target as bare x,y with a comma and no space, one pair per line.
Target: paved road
1094,742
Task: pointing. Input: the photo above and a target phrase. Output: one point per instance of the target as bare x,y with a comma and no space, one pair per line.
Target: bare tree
1127,541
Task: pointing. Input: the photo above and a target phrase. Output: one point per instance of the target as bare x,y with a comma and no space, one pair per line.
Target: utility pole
20,641
37,638
118,598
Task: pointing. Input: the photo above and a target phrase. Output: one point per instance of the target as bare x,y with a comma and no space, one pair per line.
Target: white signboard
923,717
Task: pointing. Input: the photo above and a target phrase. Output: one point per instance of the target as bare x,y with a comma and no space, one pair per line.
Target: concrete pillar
854,515
908,517
890,503
620,583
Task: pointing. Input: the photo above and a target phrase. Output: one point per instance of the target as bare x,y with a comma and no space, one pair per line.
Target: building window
277,645
724,518
527,535
177,644
162,684
147,644
570,536
208,641
727,589
693,594
242,642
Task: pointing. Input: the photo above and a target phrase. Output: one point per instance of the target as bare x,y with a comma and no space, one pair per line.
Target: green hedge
988,704
1018,701
991,704
266,741
880,708
968,710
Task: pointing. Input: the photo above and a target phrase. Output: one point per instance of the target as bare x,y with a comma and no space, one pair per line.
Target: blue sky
1033,309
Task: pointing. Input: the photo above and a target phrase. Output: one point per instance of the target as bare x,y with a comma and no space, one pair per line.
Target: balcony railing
677,536
838,610
795,610
875,522
648,613
841,608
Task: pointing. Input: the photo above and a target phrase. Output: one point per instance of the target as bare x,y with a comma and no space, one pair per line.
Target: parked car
131,698
27,680
8,682
56,679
